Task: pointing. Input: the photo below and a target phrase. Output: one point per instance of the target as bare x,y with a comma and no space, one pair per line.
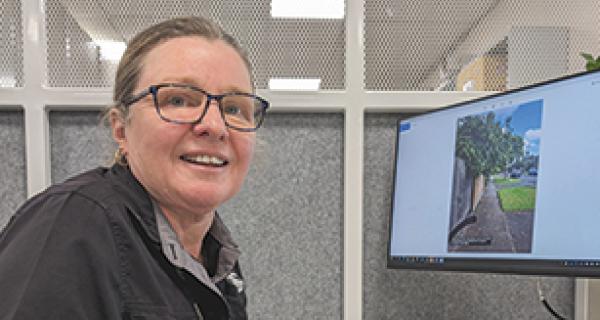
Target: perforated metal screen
278,48
453,45
11,44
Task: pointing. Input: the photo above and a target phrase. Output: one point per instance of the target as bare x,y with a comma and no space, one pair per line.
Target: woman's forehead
196,61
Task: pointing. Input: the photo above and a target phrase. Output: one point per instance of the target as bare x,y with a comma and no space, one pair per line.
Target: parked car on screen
515,173
532,172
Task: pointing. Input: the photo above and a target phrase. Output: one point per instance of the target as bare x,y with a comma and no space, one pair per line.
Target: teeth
217,161
204,159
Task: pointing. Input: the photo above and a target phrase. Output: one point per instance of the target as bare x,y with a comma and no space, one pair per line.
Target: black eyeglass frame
153,89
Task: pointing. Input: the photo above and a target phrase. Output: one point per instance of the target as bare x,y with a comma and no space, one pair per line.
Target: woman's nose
212,123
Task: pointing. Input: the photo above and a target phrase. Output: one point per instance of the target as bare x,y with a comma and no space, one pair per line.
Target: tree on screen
486,146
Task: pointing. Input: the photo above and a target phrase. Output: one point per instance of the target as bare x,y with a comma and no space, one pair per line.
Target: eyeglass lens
187,105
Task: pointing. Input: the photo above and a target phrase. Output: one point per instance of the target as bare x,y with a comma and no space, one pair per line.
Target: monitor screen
505,183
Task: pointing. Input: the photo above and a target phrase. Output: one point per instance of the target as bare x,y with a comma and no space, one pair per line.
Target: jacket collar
137,199
140,204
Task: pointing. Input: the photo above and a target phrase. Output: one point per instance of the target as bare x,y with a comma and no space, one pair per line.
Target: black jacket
89,248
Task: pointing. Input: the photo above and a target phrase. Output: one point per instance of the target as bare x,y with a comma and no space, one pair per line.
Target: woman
142,240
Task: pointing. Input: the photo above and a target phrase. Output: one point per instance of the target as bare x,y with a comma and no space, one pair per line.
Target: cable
547,304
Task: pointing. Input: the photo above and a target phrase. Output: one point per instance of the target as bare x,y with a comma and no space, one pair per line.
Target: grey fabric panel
13,190
399,294
288,219
78,142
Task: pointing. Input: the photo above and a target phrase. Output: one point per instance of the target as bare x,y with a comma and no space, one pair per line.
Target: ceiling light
8,82
111,50
310,9
311,84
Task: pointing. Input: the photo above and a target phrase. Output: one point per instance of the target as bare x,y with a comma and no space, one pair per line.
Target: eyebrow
190,82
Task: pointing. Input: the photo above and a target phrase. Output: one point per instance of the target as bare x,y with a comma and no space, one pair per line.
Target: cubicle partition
287,218
12,161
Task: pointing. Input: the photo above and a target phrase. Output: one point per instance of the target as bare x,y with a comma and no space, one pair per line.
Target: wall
580,18
485,73
12,163
478,190
461,192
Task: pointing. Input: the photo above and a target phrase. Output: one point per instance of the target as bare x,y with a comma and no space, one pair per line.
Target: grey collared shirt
176,254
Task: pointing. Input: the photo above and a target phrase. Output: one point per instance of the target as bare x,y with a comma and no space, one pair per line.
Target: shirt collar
228,252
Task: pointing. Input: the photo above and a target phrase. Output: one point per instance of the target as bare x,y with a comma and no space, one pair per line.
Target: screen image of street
495,178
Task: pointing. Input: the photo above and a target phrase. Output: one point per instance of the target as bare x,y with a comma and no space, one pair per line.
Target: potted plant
591,62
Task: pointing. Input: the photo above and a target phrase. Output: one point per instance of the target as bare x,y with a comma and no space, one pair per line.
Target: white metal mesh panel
453,45
278,48
11,44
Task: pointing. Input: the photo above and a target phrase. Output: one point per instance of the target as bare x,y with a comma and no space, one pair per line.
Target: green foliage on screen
486,146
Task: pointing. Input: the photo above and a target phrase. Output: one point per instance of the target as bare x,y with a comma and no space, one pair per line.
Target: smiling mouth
205,160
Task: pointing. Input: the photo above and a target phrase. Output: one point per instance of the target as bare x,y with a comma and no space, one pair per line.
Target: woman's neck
190,229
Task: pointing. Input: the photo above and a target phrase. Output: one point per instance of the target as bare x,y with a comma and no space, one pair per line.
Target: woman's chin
207,198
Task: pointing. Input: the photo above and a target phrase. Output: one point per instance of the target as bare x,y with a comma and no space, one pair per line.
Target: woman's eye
231,110
176,101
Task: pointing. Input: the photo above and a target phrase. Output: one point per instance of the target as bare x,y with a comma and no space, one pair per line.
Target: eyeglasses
186,104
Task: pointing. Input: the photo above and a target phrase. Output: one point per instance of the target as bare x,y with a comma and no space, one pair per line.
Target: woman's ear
117,124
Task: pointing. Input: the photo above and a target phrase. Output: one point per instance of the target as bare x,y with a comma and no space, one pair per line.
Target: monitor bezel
538,267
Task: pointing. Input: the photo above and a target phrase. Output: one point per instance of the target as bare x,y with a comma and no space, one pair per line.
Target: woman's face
168,158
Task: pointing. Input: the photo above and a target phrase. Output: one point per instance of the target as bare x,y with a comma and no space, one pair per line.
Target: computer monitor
507,183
